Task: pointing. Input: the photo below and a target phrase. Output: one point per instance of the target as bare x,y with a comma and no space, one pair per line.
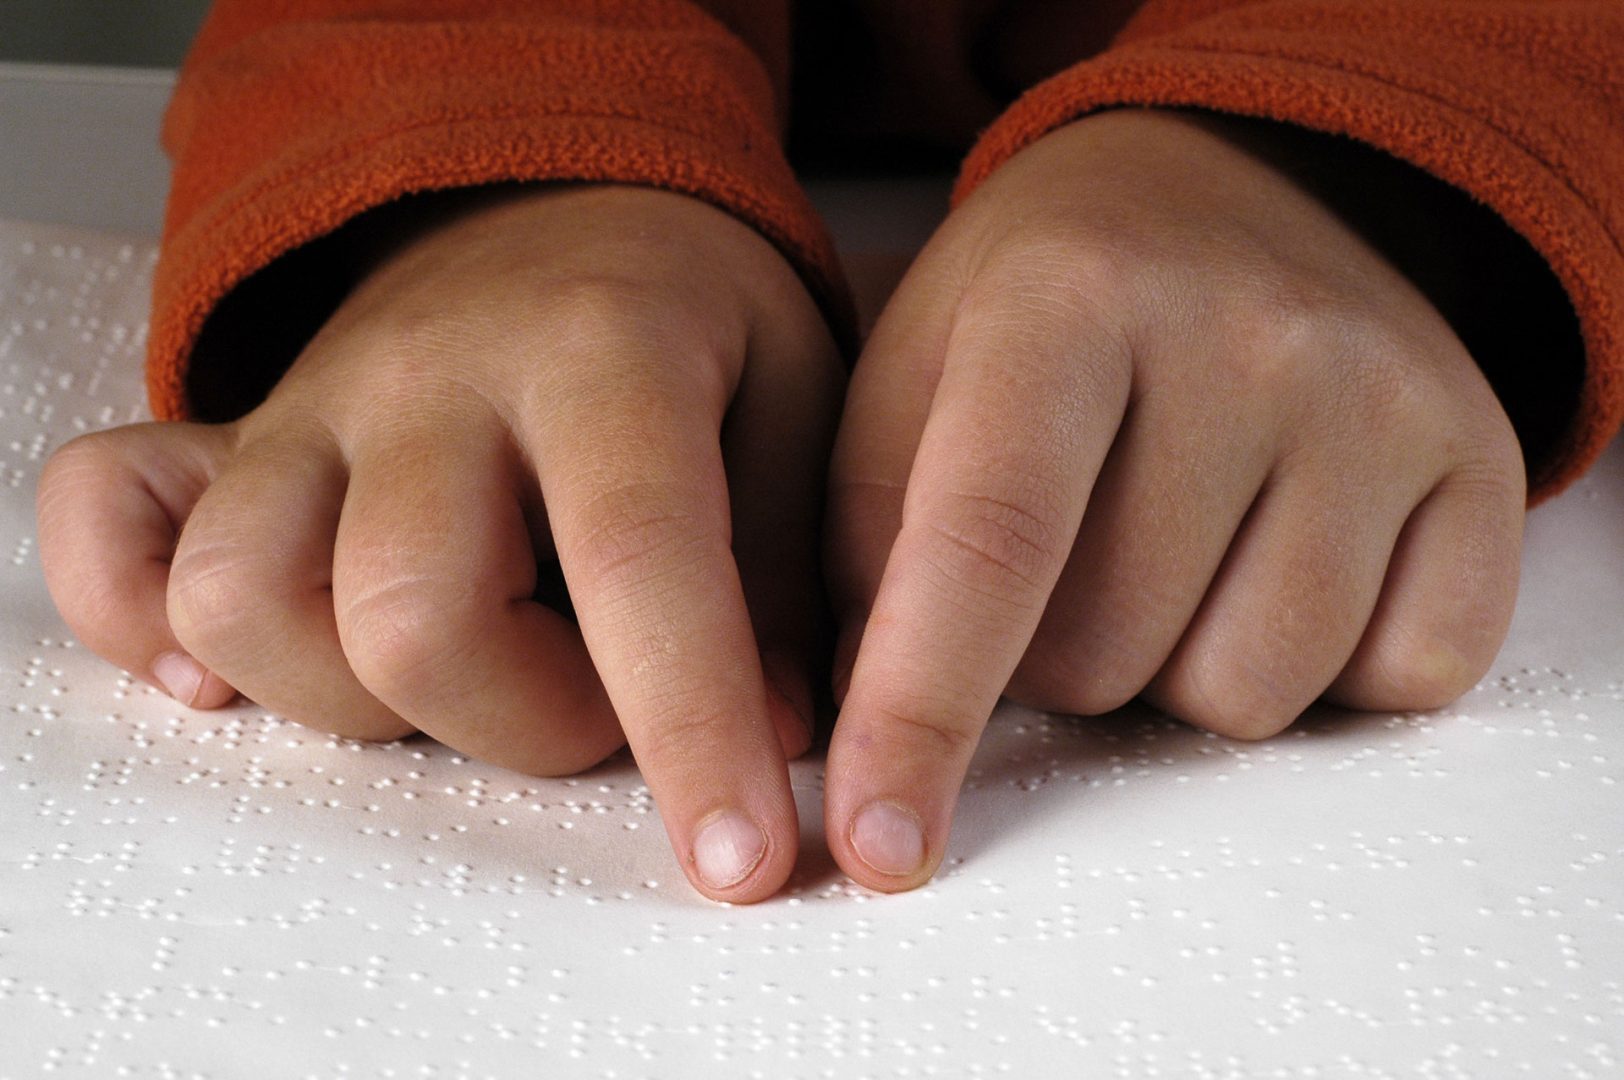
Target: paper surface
229,895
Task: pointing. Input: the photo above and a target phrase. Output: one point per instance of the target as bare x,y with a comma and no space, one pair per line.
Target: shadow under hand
1033,767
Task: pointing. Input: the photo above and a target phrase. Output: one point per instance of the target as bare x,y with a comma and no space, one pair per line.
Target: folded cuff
286,136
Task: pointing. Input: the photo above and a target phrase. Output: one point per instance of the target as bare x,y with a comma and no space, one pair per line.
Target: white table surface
228,895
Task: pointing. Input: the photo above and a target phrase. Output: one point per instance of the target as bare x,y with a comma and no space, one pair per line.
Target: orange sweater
294,117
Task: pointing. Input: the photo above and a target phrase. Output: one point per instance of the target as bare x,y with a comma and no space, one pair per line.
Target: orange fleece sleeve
1519,103
292,118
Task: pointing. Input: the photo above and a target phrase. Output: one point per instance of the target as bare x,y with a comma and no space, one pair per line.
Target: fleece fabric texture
294,117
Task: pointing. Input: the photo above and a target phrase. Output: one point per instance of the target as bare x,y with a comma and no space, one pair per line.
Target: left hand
1147,418
624,386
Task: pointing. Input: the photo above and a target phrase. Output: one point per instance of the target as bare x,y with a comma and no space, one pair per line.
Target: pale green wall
128,33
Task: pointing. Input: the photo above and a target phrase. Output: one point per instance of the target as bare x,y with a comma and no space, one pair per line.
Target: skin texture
624,381
1143,418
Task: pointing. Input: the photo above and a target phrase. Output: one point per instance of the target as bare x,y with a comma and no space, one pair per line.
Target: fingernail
888,838
727,848
180,675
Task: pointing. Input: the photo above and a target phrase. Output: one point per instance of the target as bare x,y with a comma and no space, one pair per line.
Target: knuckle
1236,718
92,451
1431,659
1100,647
688,739
1075,260
1495,494
949,732
78,466
1028,285
636,534
1269,339
1068,682
1396,388
1387,394
996,548
216,591
585,307
403,636
1234,702
98,608
1426,673
1491,470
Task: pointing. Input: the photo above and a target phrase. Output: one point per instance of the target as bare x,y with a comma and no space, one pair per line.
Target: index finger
1028,403
636,492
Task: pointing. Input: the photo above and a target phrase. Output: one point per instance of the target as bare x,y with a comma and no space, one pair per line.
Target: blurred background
83,84
121,33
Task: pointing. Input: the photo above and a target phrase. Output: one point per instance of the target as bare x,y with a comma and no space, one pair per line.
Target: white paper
228,895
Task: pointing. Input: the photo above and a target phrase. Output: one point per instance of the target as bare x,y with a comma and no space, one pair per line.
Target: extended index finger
637,496
1030,396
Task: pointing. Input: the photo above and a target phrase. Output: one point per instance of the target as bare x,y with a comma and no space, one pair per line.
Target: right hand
1147,417
624,382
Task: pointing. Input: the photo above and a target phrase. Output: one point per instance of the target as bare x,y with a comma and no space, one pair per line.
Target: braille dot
1318,891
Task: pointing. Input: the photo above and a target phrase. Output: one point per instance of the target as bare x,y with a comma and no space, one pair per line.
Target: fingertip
727,847
884,848
732,858
896,764
888,806
888,839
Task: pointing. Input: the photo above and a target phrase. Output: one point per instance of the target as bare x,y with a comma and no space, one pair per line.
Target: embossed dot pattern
190,895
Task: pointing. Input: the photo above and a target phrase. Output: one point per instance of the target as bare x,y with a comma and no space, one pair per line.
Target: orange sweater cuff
285,134
1569,207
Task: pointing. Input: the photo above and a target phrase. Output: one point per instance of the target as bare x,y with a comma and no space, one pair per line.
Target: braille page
221,895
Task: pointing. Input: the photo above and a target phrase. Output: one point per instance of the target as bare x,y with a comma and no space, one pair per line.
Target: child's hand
1146,418
626,381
